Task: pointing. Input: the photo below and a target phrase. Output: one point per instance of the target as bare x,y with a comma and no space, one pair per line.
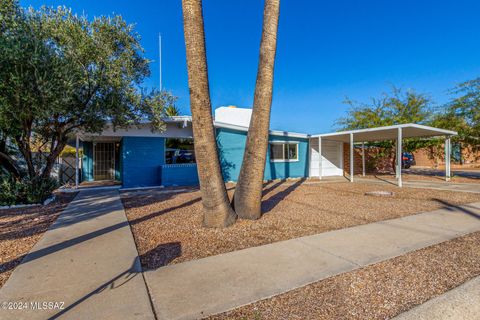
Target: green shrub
8,191
25,191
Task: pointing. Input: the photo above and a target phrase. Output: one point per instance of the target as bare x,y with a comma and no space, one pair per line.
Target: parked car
179,156
408,160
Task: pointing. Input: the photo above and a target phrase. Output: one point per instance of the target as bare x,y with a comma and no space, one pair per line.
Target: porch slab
203,287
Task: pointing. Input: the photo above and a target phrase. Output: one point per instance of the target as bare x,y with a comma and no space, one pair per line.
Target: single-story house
140,157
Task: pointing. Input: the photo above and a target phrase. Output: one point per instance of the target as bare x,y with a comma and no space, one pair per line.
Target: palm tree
217,209
172,111
248,192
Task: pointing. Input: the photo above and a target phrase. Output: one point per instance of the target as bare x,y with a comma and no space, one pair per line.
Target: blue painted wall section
179,175
141,161
231,145
283,170
87,161
118,161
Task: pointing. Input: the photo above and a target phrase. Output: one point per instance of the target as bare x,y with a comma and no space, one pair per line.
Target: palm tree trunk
217,209
248,192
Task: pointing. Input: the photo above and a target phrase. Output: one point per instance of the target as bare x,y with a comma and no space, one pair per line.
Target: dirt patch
168,226
20,230
379,291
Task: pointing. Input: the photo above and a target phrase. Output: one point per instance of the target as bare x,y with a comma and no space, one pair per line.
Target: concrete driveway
425,184
466,173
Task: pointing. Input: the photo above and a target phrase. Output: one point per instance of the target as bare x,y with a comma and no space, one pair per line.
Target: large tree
248,192
392,108
217,209
61,73
463,112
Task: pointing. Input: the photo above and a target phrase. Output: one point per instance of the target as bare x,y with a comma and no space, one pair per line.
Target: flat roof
409,130
218,124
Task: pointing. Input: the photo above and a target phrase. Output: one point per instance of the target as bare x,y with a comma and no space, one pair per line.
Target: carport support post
448,153
320,173
363,159
351,157
399,157
77,143
396,158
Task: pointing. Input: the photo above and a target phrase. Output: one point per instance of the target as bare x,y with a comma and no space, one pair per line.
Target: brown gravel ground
168,226
379,291
21,228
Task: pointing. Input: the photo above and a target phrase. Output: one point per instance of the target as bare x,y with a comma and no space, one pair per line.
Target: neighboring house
138,157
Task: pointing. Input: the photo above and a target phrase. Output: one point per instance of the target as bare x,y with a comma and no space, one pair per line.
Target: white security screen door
104,161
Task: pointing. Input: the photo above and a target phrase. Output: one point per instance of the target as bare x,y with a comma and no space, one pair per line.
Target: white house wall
314,158
233,115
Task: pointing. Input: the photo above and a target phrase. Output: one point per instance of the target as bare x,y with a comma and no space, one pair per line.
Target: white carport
396,133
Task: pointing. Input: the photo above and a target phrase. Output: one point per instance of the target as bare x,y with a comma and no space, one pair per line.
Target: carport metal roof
409,130
397,133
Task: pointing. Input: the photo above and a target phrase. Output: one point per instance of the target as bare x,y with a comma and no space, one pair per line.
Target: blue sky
326,50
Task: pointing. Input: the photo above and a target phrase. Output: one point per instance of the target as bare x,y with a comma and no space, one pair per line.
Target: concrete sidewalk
460,303
87,262
219,283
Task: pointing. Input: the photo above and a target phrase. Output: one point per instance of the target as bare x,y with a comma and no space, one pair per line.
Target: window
179,151
283,151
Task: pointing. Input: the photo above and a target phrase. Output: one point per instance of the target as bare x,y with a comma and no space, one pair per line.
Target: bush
8,191
25,191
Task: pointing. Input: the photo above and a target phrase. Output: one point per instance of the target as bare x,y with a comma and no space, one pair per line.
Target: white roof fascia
165,119
178,119
407,125
272,132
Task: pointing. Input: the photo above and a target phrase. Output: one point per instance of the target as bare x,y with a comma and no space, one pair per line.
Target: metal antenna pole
160,58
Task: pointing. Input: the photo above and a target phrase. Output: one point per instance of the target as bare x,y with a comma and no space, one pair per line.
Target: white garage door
332,158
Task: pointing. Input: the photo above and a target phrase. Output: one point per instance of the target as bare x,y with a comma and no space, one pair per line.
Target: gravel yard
21,228
167,224
379,291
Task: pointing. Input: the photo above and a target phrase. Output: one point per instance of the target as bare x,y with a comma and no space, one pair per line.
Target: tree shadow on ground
269,204
271,186
141,198
112,284
454,207
161,255
384,178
